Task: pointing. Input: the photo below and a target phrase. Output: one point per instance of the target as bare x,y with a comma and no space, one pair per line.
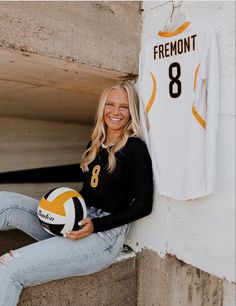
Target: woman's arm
141,182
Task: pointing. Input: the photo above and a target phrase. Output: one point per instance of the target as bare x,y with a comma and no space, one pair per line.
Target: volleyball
60,210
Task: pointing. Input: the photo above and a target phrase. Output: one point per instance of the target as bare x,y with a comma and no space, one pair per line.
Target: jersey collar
179,30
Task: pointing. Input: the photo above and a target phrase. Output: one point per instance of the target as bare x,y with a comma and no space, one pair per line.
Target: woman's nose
116,110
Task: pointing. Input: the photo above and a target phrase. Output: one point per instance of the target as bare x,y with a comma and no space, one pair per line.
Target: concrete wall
41,87
102,34
170,282
57,57
35,144
114,286
201,232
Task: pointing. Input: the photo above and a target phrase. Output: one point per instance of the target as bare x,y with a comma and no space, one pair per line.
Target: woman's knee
7,195
4,194
7,198
13,198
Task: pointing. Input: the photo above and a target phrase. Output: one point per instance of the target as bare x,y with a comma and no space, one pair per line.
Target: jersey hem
185,198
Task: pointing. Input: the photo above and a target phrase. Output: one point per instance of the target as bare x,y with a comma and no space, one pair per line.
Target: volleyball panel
60,210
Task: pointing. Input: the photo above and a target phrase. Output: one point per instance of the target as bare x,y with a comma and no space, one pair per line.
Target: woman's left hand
86,230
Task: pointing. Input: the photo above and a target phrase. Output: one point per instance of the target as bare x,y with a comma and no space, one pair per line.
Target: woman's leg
20,211
56,258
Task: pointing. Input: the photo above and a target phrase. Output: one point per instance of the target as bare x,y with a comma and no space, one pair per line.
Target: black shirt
127,192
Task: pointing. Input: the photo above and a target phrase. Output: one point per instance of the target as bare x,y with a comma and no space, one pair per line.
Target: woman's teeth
115,119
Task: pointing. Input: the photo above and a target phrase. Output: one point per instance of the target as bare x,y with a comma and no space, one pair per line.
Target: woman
117,189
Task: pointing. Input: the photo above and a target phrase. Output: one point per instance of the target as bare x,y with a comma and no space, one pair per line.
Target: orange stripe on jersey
197,116
195,77
152,98
176,32
200,120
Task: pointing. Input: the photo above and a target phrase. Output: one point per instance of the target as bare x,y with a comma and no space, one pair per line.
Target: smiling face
116,112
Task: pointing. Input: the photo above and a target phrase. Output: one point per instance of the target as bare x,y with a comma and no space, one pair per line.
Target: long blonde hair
132,128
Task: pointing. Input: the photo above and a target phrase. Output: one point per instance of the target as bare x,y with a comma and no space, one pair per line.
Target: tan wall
41,87
171,282
27,144
101,34
57,57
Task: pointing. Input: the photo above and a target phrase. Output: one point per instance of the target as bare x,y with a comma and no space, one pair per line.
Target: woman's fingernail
64,235
80,223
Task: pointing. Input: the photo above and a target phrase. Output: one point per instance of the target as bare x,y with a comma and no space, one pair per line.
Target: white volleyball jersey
178,87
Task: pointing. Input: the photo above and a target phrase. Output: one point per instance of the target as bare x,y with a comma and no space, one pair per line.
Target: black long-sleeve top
127,192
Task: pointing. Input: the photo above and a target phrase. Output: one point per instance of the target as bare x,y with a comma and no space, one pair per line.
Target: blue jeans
50,257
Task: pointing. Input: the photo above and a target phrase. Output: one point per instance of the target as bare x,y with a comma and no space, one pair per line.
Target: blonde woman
117,188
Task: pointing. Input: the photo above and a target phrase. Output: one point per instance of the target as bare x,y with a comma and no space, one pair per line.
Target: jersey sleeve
141,183
142,92
211,75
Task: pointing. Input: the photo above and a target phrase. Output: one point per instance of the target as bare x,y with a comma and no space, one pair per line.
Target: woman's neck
112,138
109,142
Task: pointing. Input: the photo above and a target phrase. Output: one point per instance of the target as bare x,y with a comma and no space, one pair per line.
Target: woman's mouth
115,120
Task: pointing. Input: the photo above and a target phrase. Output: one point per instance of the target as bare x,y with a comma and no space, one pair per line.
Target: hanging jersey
178,86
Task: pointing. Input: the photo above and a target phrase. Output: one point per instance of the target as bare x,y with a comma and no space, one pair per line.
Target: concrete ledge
114,286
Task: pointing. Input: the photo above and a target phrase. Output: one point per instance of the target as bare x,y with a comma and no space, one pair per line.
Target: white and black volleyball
60,210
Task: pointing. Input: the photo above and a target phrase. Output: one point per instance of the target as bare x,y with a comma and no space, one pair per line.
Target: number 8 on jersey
95,176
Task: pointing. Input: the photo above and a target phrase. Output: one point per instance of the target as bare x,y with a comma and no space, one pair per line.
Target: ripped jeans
49,258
